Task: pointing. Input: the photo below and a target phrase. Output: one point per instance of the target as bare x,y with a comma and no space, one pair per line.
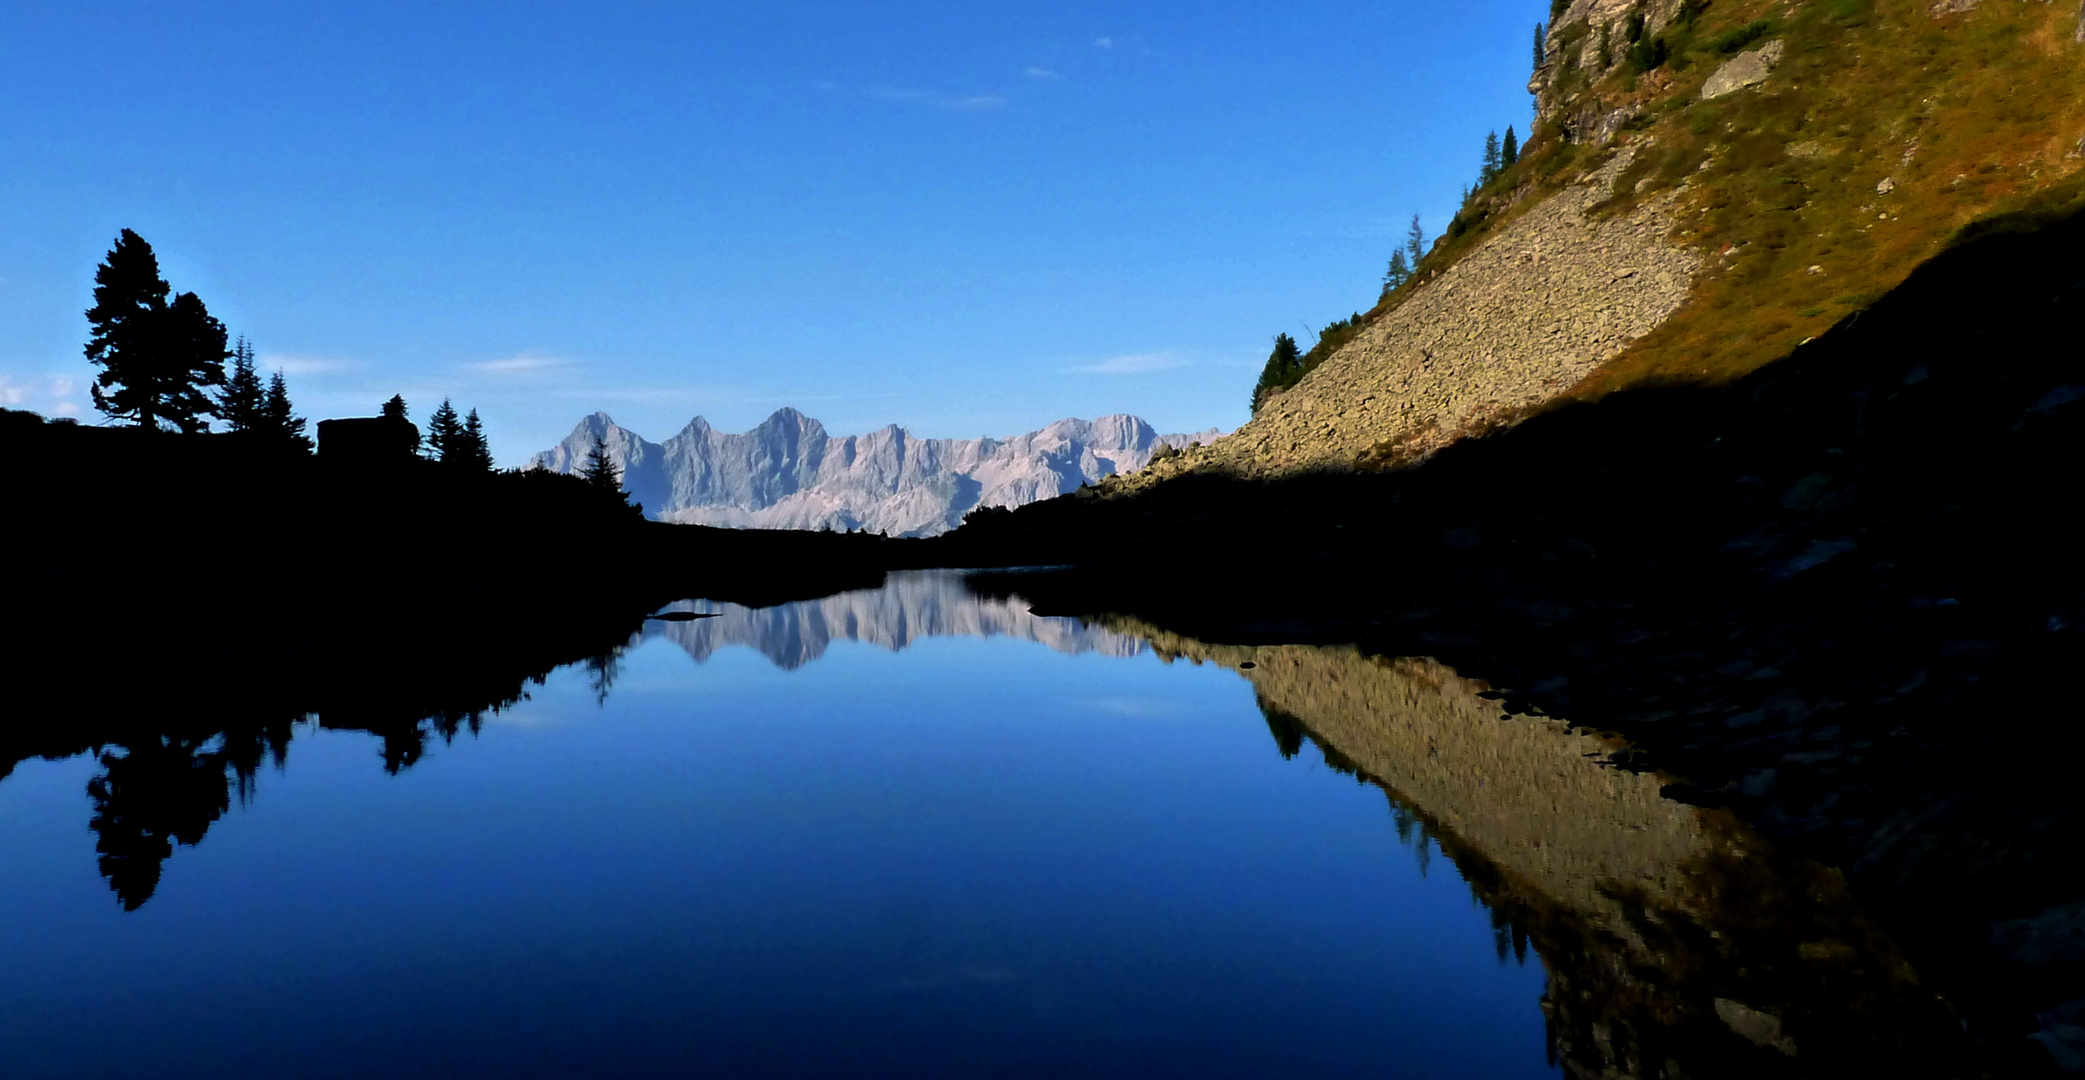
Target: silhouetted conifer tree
1415,243
476,455
280,421
601,470
1541,46
243,404
1490,169
444,434
1509,150
156,357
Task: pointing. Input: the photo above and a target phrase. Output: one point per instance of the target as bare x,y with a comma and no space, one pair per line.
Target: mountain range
788,473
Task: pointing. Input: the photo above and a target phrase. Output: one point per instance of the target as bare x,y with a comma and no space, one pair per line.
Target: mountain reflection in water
1676,943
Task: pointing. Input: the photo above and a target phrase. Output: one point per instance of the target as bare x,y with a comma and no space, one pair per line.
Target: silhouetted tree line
161,357
163,367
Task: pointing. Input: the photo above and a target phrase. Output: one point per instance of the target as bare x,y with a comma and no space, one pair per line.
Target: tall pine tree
242,405
1509,150
156,357
1415,243
1541,46
1489,171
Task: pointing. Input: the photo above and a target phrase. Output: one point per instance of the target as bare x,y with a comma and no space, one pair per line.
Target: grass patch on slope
1976,119
1968,117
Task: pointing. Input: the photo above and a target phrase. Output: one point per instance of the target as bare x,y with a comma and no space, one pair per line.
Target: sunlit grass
1975,119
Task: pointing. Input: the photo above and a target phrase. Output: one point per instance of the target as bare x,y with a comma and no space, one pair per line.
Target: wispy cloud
1104,43
50,395
306,365
944,102
1132,364
524,364
1042,73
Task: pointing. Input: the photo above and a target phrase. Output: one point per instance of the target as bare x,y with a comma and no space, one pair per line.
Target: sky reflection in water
969,855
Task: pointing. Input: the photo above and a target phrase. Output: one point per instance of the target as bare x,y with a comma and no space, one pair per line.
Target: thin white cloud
524,364
1043,73
1132,364
306,365
971,103
1104,43
50,395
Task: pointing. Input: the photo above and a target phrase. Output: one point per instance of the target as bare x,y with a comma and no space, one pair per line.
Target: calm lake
903,832
915,831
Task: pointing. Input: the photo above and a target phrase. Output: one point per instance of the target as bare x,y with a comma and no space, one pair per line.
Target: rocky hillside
1707,186
789,474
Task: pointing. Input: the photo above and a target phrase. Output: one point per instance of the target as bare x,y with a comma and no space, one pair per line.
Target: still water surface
907,832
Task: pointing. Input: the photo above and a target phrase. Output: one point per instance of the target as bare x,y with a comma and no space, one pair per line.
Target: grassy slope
1975,117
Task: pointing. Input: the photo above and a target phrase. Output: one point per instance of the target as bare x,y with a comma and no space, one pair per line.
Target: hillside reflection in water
926,857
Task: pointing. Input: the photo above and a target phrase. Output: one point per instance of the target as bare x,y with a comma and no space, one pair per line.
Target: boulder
1743,70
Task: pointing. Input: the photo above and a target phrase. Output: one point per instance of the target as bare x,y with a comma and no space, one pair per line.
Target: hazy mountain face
788,473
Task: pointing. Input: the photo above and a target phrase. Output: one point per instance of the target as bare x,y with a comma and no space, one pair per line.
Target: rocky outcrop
1743,70
789,474
1554,295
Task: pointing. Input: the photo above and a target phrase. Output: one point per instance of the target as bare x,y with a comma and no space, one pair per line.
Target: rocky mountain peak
787,472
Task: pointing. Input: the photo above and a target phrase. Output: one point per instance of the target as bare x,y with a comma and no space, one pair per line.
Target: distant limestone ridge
788,473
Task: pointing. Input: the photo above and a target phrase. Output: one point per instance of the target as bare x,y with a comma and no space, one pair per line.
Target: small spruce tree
601,472
1400,272
1509,149
1541,46
1284,367
1415,243
279,421
444,432
477,455
243,403
1489,171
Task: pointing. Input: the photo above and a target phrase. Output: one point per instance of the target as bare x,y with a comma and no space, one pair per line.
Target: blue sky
966,219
